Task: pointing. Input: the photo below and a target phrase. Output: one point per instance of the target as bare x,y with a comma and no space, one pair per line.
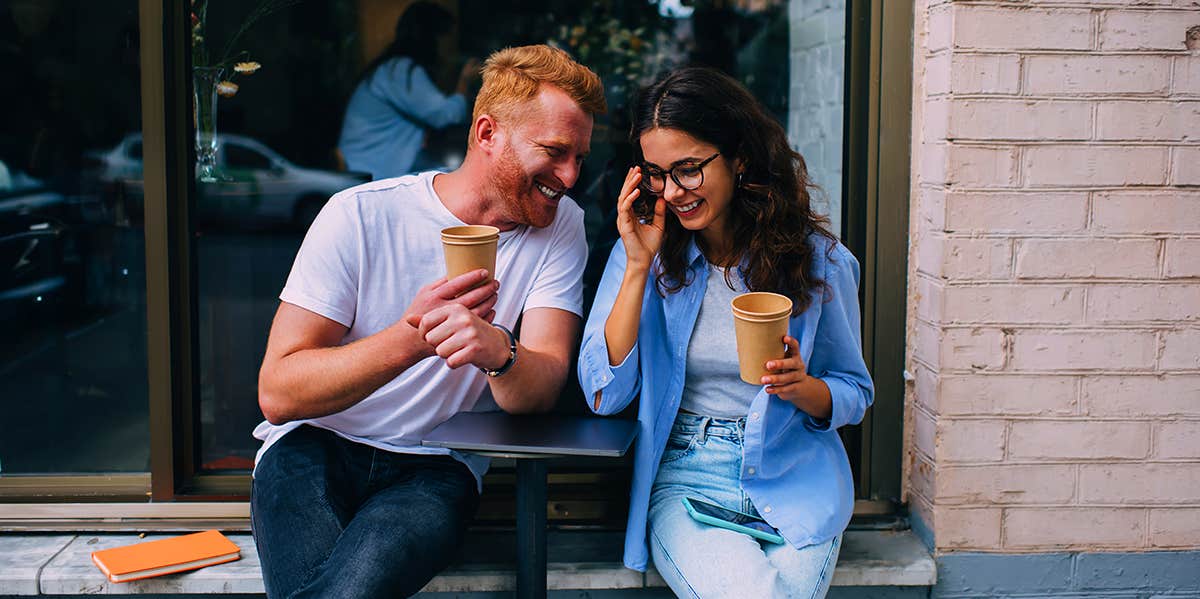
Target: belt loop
702,433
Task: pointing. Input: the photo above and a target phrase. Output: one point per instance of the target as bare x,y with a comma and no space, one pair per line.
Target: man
371,347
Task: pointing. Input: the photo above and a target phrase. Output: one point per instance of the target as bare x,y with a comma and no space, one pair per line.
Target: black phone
643,207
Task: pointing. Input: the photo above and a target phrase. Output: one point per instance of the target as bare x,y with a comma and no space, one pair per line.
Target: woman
395,101
730,213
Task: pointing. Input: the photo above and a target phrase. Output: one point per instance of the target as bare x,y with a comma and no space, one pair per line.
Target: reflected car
33,269
258,187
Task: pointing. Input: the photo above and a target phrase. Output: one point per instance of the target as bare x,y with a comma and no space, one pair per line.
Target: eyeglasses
686,176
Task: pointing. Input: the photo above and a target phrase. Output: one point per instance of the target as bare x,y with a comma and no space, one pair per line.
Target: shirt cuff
616,384
841,394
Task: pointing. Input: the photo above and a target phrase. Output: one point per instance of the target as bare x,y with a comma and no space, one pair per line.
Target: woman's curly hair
770,216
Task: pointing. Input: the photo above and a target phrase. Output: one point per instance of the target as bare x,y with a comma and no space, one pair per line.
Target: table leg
531,528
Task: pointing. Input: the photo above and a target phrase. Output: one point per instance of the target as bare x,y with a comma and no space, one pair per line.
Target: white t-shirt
361,264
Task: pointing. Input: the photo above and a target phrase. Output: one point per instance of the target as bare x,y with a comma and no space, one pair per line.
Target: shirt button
754,416
750,470
767,510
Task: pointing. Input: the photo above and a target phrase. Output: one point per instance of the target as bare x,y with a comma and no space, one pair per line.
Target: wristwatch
512,354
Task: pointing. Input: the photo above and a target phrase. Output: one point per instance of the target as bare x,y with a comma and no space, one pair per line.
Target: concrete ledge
61,565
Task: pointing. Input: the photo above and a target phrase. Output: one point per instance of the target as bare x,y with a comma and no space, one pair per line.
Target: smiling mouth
686,209
549,193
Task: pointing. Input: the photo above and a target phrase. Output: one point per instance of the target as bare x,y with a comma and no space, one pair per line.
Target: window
243,157
73,389
137,286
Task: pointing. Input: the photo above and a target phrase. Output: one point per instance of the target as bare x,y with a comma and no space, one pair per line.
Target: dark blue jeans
334,518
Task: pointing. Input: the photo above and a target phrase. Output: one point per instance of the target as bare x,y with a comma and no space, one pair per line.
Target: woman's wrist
814,398
636,268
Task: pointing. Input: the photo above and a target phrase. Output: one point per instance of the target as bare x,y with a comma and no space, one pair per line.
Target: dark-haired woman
395,101
728,212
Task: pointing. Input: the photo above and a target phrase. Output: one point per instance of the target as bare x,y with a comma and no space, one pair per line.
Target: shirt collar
693,252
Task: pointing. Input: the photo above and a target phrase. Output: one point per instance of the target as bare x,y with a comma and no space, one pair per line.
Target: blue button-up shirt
795,468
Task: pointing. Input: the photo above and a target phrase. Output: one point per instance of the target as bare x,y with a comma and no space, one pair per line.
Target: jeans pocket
679,445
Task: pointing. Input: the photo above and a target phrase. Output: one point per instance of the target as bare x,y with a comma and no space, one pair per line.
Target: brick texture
1075,350
1144,213
1005,484
1148,121
1028,213
1054,288
1138,483
1072,258
1047,75
1008,395
1087,166
1183,258
1179,439
985,74
1081,440
1174,528
1153,396
988,28
1066,528
1143,29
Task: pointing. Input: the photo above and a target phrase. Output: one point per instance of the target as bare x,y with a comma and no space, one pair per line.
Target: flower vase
204,85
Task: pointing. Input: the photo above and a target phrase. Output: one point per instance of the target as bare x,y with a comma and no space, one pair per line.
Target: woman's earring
738,181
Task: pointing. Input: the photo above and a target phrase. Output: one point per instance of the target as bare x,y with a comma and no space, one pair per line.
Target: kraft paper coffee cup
760,321
469,248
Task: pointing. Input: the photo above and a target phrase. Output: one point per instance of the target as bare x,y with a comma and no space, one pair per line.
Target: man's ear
486,132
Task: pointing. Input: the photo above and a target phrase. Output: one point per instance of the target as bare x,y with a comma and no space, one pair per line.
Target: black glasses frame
699,167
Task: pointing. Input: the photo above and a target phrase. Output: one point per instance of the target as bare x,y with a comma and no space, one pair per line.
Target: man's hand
461,337
441,293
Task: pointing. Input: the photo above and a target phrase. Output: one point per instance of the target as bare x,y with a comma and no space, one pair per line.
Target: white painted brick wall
815,108
1054,321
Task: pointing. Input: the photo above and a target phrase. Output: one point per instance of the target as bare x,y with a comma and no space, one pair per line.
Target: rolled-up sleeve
607,388
837,348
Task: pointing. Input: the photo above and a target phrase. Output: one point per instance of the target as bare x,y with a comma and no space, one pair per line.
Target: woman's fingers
786,377
629,190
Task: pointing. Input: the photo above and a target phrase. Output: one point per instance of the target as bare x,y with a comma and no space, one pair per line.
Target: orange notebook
166,556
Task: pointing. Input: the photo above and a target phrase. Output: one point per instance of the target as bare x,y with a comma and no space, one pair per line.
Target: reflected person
396,102
729,212
371,347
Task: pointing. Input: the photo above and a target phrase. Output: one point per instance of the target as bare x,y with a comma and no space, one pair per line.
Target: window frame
174,496
877,164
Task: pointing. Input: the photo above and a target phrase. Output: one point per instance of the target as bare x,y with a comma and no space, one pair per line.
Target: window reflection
72,288
279,137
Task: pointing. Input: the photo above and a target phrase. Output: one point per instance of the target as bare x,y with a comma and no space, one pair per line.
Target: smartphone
715,515
643,207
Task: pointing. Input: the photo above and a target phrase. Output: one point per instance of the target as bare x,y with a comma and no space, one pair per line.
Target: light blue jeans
703,459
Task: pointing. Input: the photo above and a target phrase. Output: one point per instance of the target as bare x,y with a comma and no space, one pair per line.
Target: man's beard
514,188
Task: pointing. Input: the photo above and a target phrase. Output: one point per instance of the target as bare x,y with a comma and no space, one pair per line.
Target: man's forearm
532,384
311,383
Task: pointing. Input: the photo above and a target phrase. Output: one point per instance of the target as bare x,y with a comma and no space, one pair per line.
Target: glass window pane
274,166
293,108
72,260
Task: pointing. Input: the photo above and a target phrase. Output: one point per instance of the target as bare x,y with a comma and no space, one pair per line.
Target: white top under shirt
712,381
361,264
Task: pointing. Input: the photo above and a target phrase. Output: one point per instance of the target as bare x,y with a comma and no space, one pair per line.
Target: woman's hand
789,381
642,240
